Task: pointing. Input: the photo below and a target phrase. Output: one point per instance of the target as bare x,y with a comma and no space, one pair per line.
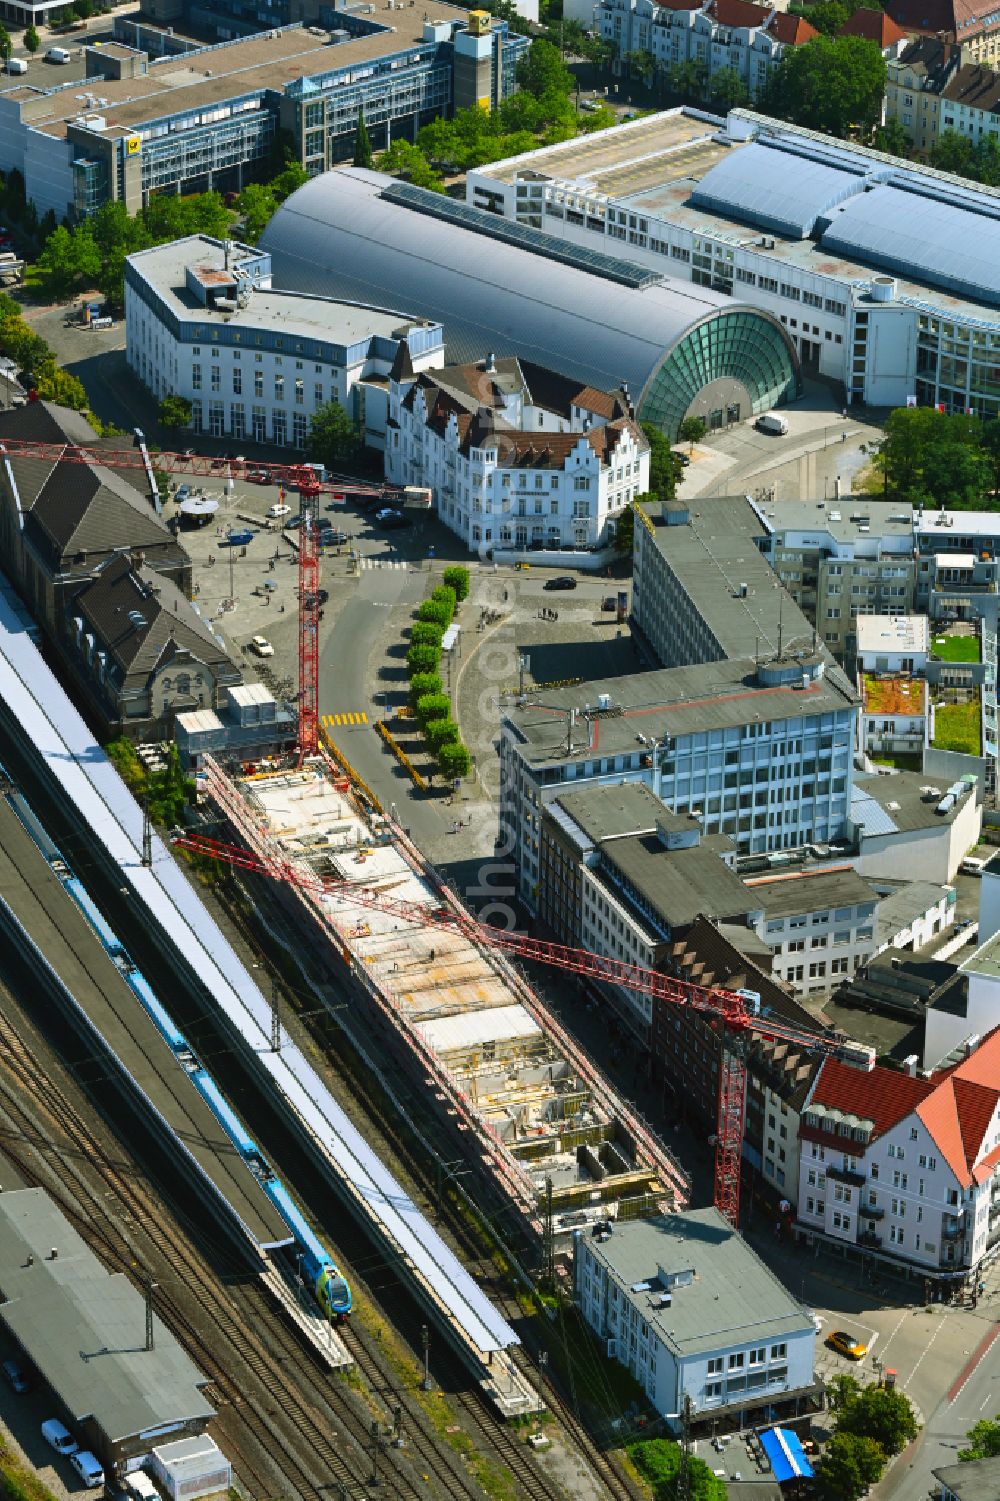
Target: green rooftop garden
957,727
955,648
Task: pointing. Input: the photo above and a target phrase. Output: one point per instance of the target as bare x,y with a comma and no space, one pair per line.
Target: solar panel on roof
521,235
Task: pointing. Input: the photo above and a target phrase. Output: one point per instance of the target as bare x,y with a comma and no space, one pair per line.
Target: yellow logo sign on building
133,145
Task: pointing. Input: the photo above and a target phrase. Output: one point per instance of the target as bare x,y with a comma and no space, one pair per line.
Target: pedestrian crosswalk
383,563
334,721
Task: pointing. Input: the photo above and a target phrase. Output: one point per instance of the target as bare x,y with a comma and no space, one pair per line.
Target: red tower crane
734,1009
298,476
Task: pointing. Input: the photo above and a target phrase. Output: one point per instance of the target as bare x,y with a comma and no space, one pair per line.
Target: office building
761,752
211,117
902,1167
695,1315
702,589
607,322
516,457
820,925
975,1480
842,558
851,249
203,321
912,823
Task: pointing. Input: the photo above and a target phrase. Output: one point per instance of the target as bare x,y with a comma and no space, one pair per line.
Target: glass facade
742,346
958,366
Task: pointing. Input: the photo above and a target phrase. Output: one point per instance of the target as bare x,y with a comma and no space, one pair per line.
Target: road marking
924,1353
972,1362
359,718
902,1319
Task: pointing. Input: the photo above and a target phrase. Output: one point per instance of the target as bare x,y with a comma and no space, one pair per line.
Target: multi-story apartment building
202,321
702,589
800,225
511,471
976,27
903,1167
819,924
714,35
691,1311
760,751
933,81
842,558
140,125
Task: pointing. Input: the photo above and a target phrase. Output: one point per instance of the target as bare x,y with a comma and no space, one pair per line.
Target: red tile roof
875,26
881,1095
956,1107
792,30
737,13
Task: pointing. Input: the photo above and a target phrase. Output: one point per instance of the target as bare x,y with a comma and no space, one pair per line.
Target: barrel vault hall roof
354,234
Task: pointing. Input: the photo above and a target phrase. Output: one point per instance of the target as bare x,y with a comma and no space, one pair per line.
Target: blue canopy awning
782,1447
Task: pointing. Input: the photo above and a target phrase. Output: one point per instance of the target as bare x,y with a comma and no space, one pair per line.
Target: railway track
299,1433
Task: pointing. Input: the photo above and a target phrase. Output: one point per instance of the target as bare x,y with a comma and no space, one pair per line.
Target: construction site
523,1104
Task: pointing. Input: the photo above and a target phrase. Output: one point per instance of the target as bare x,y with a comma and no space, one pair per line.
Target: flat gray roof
810,891
614,812
908,799
714,554
734,1298
899,908
85,1329
680,885
842,519
976,1480
296,313
669,701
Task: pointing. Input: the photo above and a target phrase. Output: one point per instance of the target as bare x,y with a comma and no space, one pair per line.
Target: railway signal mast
735,1011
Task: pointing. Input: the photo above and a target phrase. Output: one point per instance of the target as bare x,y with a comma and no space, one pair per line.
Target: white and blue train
318,1270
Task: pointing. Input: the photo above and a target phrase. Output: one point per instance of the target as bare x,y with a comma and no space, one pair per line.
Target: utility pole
550,1258
426,1384
147,832
376,1433
150,1338
684,1473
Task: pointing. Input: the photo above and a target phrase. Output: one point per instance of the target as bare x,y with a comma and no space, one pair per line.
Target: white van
139,1487
773,424
58,1437
972,866
57,55
86,1466
16,65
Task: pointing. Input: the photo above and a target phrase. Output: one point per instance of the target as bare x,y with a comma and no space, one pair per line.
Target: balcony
869,1239
872,1212
952,1231
847,1175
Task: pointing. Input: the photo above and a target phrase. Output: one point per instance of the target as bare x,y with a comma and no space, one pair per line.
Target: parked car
292,523
239,539
87,1467
279,510
846,1344
189,453
261,646
332,537
16,65
562,581
183,492
318,599
258,476
16,1376
58,1437
393,521
57,55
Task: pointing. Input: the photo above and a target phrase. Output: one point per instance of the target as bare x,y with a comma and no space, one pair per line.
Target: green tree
625,527
32,41
440,732
423,658
830,84
405,160
663,464
984,1440
363,154
842,1389
828,18
892,138
446,596
423,682
435,611
6,45
175,412
640,64
292,176
457,578
838,1472
687,79
991,448
84,9
426,631
454,760
727,90
61,387
543,69
659,1462
881,1413
951,152
932,458
433,706
257,205
601,118
68,258
692,430
333,435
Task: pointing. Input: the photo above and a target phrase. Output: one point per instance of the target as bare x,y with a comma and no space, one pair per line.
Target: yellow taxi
846,1344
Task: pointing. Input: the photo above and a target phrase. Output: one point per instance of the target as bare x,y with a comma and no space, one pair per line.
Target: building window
258,383
300,392
196,377
237,381
279,388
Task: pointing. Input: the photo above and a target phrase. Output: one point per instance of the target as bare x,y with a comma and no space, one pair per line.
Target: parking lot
21,1419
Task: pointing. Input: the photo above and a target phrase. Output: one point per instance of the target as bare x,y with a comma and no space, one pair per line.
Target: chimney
53,1254
491,363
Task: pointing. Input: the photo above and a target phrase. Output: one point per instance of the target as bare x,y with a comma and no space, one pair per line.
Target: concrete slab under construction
526,1102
